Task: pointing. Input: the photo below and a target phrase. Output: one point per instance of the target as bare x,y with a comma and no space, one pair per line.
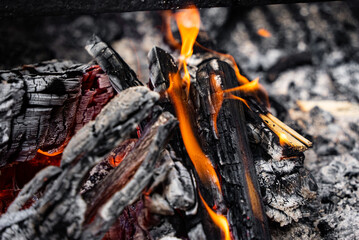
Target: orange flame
283,139
188,22
201,162
264,33
254,88
218,219
57,151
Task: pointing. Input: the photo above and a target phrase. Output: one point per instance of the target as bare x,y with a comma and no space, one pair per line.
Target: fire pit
223,123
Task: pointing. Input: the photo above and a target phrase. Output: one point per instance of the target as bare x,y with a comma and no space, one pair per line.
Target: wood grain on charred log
229,149
33,100
43,105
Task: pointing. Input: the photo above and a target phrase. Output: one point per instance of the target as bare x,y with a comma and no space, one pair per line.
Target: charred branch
138,166
120,74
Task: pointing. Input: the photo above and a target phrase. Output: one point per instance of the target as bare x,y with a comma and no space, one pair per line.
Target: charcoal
120,74
31,104
61,206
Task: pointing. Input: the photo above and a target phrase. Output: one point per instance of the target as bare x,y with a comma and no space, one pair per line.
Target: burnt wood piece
125,184
264,129
161,64
60,7
229,149
43,105
59,213
120,74
34,99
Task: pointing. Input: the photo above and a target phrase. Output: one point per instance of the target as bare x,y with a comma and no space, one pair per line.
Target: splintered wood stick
61,7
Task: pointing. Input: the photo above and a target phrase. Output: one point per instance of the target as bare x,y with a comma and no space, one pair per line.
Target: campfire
91,151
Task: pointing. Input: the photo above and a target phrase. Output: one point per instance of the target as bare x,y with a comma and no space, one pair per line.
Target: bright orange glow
218,219
115,161
201,162
283,139
49,154
58,151
254,198
264,33
217,100
231,96
246,88
257,89
188,22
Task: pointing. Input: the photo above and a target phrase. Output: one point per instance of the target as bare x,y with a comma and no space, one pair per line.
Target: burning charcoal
120,74
51,96
33,100
143,157
61,209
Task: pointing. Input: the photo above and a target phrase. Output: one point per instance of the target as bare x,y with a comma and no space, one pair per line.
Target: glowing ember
217,100
218,219
49,154
264,33
254,197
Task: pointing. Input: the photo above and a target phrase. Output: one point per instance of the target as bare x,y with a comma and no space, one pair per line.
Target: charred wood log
32,100
120,74
56,7
42,105
59,213
226,143
138,166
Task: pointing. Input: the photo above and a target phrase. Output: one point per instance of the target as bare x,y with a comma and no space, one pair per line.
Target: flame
283,139
253,88
218,219
201,162
249,87
231,96
264,33
188,22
